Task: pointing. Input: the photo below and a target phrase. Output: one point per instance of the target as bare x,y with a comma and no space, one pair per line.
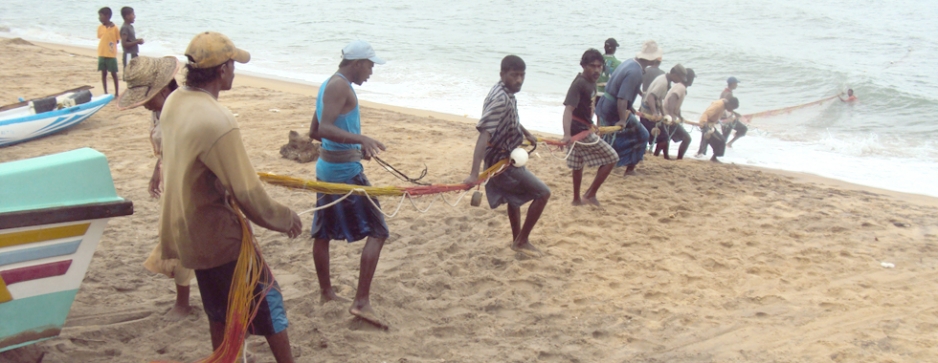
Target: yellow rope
249,271
339,188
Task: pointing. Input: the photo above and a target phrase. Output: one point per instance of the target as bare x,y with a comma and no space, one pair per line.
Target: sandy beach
688,261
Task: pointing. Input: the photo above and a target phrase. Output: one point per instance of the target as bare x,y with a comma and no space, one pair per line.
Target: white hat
650,51
360,49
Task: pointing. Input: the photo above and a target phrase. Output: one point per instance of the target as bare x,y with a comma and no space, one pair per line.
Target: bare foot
714,159
592,200
331,296
178,312
577,202
526,248
368,315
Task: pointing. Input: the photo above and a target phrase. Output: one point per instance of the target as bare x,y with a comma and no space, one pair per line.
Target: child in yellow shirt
107,48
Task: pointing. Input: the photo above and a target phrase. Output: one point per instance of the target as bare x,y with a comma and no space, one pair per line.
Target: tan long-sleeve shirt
203,159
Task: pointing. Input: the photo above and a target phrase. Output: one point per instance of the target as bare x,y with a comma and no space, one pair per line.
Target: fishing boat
39,117
53,213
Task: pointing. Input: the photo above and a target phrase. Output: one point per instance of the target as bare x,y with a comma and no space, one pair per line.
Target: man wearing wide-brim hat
150,81
615,107
206,166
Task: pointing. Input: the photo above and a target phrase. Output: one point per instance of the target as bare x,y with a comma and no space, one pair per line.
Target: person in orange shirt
709,126
109,37
850,96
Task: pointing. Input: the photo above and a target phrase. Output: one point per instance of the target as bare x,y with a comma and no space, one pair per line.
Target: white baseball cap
359,49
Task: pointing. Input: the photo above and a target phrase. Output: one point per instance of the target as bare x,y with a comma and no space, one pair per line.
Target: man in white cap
205,164
615,107
337,123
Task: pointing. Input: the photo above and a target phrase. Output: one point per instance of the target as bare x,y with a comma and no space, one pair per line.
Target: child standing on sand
107,48
129,40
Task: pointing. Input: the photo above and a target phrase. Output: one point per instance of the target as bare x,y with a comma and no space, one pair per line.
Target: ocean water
444,56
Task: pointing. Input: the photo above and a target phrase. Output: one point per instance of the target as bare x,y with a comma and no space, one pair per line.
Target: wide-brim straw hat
650,51
145,77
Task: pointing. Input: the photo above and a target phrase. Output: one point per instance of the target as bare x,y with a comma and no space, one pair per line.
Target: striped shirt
500,120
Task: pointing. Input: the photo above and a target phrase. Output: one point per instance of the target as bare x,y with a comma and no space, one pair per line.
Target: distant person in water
731,84
850,96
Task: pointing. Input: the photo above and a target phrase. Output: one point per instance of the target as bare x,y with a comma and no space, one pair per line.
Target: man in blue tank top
337,123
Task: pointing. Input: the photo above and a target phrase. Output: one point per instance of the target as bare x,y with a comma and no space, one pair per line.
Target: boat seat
41,105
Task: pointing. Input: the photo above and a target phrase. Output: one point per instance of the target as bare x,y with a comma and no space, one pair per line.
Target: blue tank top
351,122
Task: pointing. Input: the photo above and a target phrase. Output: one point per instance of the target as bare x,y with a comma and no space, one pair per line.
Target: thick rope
487,175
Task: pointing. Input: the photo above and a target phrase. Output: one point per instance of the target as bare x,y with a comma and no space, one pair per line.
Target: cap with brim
360,49
611,42
732,80
650,51
145,77
210,49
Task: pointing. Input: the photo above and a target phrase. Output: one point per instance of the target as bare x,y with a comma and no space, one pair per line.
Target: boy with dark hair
107,48
129,40
500,132
578,118
610,65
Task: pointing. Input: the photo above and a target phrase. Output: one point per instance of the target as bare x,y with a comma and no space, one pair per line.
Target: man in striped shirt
500,132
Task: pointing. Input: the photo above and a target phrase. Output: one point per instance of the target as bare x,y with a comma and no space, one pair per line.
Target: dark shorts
128,55
215,284
352,219
107,64
514,186
738,126
675,132
650,125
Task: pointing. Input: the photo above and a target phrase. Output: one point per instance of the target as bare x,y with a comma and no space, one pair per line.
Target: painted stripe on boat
5,295
35,272
44,234
35,253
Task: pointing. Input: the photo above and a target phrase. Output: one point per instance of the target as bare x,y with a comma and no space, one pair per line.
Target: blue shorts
352,219
215,284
